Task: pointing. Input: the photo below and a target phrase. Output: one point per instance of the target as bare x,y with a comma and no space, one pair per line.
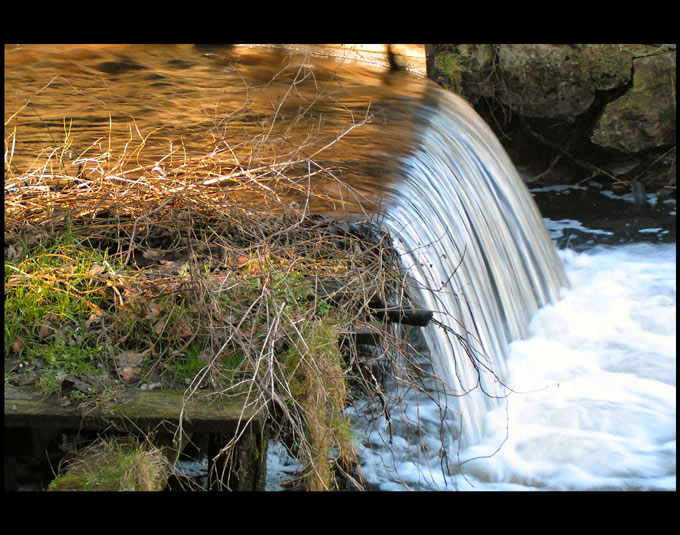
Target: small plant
318,384
109,464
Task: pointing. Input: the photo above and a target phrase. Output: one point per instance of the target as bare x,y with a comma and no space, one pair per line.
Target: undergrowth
194,277
114,465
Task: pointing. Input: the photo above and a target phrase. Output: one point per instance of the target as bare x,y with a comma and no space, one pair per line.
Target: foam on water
594,390
572,386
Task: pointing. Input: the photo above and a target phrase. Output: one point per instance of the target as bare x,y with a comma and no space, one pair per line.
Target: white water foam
594,401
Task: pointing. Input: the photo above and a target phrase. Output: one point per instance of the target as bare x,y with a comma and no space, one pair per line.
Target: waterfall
474,248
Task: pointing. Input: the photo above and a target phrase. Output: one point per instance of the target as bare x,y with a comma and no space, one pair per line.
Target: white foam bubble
594,402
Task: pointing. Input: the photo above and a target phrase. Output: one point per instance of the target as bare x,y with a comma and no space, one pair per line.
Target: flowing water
559,363
571,384
473,242
593,405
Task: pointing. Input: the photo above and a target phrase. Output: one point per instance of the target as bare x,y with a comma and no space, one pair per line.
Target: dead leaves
183,328
55,328
50,326
18,344
96,270
128,364
85,383
154,310
14,253
163,319
95,317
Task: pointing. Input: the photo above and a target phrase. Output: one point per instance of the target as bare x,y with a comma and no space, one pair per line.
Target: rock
539,80
544,80
644,117
606,107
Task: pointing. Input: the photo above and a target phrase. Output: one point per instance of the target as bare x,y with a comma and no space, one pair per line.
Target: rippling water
158,105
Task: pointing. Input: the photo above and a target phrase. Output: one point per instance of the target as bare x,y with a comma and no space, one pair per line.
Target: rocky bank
573,112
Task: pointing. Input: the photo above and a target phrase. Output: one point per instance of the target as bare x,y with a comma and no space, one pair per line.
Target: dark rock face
557,80
604,105
644,116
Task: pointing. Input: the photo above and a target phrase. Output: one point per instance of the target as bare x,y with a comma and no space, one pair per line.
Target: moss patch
114,465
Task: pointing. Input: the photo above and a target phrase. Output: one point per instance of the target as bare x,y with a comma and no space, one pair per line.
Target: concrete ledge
27,407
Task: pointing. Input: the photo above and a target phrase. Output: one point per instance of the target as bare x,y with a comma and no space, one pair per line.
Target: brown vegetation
208,273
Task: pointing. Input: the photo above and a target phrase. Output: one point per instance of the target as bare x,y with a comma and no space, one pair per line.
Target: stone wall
573,111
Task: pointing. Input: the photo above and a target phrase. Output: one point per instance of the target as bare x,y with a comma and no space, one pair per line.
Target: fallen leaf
96,270
77,340
30,240
169,267
153,311
68,269
159,326
93,319
153,254
129,374
127,364
14,253
18,344
50,326
183,328
46,329
130,358
61,334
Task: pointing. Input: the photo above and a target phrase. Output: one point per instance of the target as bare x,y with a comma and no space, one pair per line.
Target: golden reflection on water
339,125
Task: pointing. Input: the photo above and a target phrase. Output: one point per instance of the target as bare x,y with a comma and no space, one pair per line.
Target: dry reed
233,244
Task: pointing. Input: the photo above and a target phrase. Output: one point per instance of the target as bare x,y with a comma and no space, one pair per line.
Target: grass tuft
111,464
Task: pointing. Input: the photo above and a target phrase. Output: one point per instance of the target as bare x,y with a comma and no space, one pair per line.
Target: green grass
71,308
109,465
50,294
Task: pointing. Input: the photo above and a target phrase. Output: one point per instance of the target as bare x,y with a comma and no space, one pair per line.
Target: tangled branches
258,300
211,273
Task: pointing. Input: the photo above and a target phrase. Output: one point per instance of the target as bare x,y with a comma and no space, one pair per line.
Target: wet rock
543,80
643,117
600,106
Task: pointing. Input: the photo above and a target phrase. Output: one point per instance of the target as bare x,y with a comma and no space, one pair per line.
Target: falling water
477,252
560,363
